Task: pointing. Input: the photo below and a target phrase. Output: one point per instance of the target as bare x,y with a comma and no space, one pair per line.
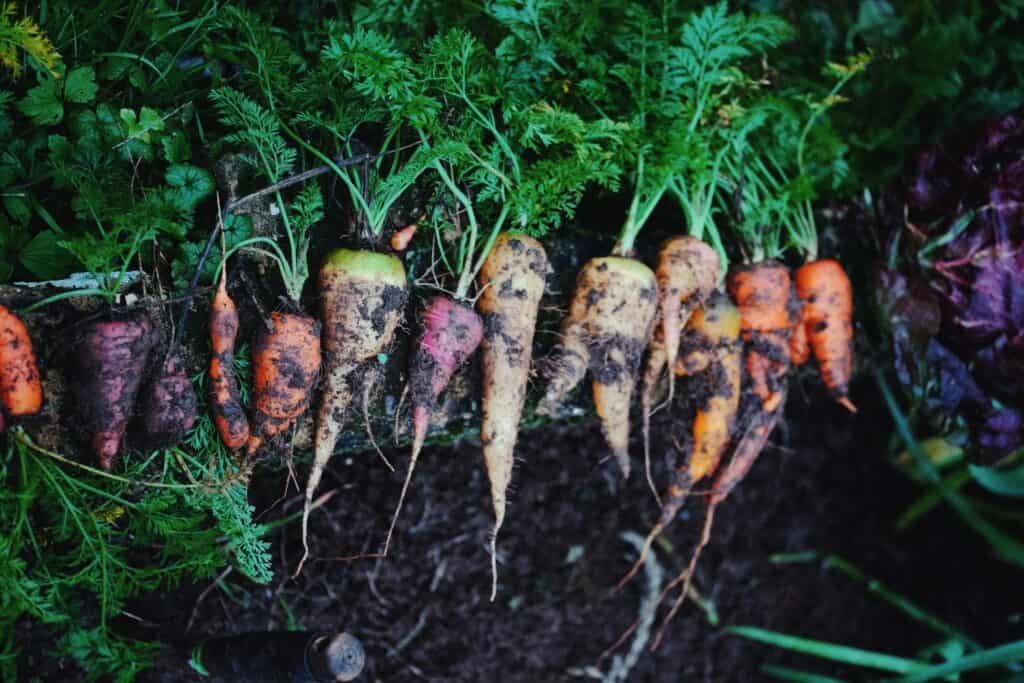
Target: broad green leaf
1003,481
80,85
191,185
44,258
42,103
140,126
176,148
18,208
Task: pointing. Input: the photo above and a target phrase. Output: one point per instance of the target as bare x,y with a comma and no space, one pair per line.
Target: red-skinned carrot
111,359
451,332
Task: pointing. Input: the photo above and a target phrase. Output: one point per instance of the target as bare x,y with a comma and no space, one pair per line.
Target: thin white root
686,577
416,447
367,388
494,565
621,666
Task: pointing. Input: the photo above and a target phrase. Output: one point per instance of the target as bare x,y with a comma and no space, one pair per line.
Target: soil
822,485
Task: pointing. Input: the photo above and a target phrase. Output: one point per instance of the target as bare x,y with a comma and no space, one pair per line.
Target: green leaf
42,103
176,148
18,209
1000,480
80,85
44,258
191,185
139,127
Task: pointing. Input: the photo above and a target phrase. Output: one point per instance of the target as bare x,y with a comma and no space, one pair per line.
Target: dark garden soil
423,614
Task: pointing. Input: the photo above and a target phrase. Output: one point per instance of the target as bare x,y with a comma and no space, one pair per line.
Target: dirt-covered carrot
716,351
610,322
21,390
748,446
512,284
285,364
110,360
762,293
688,270
799,349
827,317
169,404
451,332
225,400
362,298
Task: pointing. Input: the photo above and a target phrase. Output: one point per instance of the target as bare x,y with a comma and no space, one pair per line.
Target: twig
202,596
180,331
339,162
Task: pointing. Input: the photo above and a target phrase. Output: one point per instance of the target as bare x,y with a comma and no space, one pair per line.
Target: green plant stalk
1005,546
1004,654
831,651
783,673
900,602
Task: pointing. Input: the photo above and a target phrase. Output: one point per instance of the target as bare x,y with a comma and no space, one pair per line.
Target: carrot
799,349
21,389
716,329
285,362
451,333
400,238
110,361
228,413
512,282
750,445
688,270
610,322
362,297
169,404
762,293
827,317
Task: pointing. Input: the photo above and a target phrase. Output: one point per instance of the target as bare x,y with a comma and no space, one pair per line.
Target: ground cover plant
495,200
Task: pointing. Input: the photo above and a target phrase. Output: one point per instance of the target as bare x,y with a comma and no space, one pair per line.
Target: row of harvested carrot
611,321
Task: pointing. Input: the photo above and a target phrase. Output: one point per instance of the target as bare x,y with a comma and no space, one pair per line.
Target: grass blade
903,604
1003,654
783,673
831,651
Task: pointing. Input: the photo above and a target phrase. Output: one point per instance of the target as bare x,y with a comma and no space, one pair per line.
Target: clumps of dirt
615,357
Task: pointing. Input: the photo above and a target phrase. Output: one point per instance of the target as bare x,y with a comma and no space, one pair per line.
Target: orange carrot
749,446
717,329
21,390
827,315
228,414
286,363
400,238
688,269
762,293
799,350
